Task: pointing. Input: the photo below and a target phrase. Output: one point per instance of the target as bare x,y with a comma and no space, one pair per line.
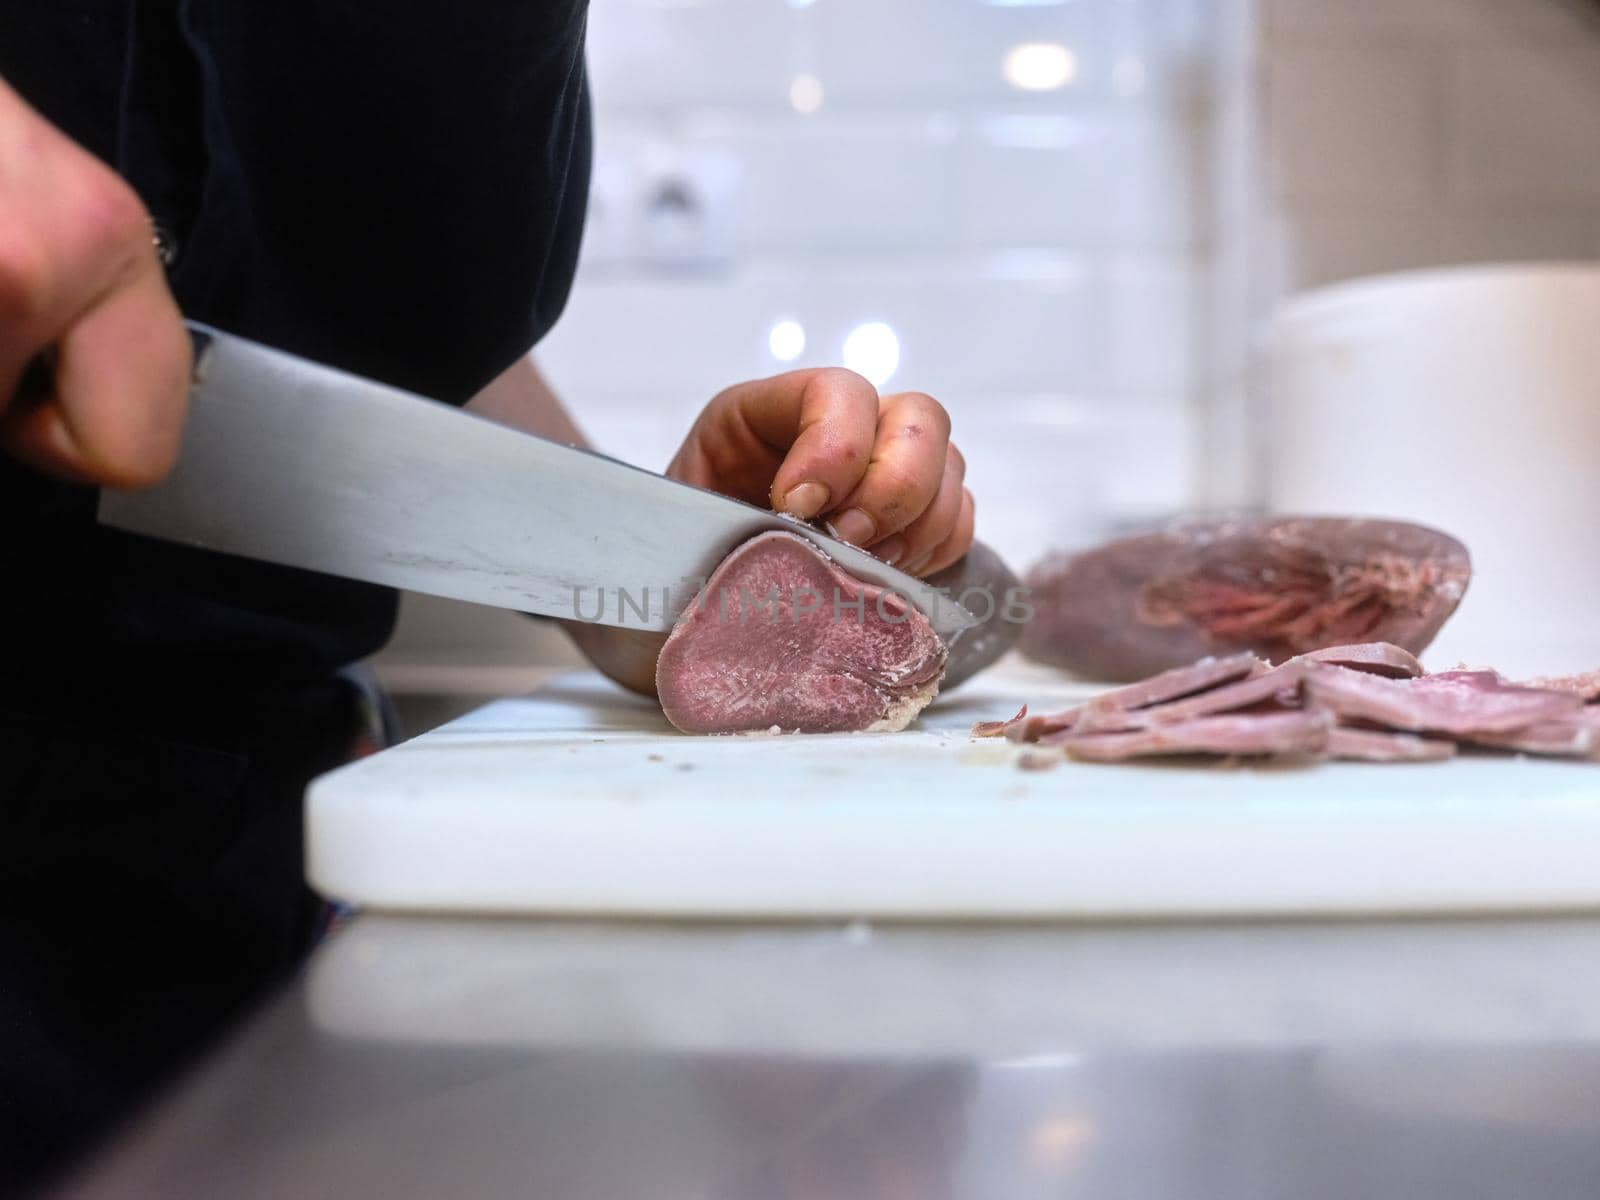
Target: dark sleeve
397,188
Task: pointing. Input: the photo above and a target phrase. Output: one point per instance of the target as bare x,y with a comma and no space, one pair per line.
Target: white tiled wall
1080,274
1366,136
1039,254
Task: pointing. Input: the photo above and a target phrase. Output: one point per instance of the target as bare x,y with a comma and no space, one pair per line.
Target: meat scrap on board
1369,702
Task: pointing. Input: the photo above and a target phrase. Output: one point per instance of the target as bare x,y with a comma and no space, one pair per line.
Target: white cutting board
582,799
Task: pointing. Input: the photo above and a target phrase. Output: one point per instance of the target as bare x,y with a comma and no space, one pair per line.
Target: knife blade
292,462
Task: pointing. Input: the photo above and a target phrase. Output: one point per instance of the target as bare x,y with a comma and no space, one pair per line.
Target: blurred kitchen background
1069,220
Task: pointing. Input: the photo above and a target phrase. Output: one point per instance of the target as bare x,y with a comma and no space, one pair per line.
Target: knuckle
113,214
841,453
843,379
919,407
112,221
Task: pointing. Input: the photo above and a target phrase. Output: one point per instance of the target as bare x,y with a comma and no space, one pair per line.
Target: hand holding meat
881,471
79,278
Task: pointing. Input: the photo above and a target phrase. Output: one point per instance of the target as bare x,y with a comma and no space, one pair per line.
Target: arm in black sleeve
395,188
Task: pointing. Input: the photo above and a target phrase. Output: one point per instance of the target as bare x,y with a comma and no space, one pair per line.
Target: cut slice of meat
1577,736
1280,685
1459,703
780,636
1377,745
1377,658
1585,686
1031,729
1361,702
1109,710
989,729
1282,734
1278,587
1106,711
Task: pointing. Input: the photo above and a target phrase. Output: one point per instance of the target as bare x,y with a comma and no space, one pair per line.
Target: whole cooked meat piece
780,637
1276,587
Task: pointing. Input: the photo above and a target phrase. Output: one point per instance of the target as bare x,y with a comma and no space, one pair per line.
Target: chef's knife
292,462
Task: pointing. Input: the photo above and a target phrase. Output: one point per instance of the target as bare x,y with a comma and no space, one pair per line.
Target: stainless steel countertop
584,1061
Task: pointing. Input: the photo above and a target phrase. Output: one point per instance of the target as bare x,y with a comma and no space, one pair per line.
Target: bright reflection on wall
872,349
786,340
1040,66
805,93
1128,76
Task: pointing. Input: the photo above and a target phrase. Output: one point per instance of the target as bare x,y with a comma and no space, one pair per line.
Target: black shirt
394,188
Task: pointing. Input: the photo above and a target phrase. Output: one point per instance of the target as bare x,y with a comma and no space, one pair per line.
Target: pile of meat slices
1371,702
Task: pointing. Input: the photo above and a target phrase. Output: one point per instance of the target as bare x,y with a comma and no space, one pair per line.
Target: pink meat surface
1378,658
1280,733
1109,710
1575,736
777,639
1585,686
1459,703
989,729
1278,587
1367,702
1377,745
1279,685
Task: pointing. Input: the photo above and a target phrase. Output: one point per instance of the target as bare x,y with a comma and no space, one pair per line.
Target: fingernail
853,526
891,550
806,500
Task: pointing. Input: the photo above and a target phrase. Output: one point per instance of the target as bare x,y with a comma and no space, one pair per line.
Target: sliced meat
1576,736
1278,734
780,636
1378,658
1586,686
1358,702
1106,710
1280,685
1031,729
1276,587
989,729
1459,703
1376,745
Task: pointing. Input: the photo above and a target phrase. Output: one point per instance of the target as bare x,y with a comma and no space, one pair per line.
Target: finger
904,474
79,275
120,393
831,444
924,535
796,441
958,543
